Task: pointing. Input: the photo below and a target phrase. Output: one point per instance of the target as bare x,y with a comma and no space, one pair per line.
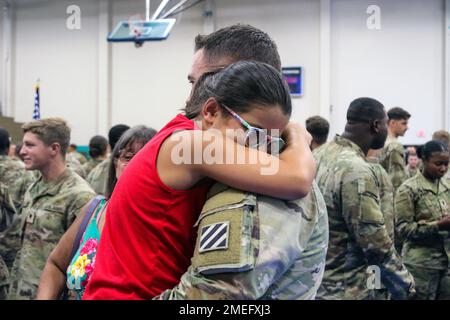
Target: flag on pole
37,107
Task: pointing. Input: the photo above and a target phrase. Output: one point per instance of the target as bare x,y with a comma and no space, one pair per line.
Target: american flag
37,108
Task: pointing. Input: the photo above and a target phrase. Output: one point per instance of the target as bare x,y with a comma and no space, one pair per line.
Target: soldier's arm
397,171
7,208
406,224
361,210
222,286
53,277
77,203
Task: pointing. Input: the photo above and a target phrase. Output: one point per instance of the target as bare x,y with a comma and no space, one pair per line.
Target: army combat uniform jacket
7,214
359,241
90,165
256,247
16,178
49,209
393,161
419,205
98,177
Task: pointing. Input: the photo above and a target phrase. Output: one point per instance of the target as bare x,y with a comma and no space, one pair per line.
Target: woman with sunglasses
64,271
222,136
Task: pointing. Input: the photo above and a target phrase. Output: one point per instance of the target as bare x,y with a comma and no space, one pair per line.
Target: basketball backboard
140,31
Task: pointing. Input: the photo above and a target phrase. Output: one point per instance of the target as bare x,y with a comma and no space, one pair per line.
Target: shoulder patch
214,237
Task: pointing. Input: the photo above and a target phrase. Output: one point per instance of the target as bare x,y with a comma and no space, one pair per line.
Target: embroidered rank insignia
214,237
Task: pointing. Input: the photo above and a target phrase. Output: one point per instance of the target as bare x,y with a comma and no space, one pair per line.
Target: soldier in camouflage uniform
423,219
73,163
359,240
98,177
12,172
50,204
392,156
72,151
98,146
259,261
7,214
413,165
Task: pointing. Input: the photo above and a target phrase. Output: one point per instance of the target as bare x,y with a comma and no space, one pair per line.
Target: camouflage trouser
4,279
430,284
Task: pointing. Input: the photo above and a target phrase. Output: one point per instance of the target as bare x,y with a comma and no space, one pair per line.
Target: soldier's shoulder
395,146
75,182
11,164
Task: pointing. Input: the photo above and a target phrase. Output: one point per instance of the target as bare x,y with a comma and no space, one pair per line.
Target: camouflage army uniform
273,249
419,205
387,208
410,172
80,158
393,161
7,214
98,178
16,178
386,195
48,211
90,165
75,165
359,240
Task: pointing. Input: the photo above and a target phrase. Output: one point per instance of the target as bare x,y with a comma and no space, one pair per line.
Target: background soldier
319,128
50,203
12,171
358,236
392,155
98,147
98,177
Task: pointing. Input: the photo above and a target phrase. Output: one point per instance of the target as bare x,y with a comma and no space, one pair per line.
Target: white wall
64,60
401,65
294,26
149,84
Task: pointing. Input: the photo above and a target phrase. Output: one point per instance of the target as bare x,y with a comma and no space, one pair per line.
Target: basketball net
136,26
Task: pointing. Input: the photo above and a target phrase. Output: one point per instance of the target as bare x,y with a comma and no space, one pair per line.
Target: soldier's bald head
365,110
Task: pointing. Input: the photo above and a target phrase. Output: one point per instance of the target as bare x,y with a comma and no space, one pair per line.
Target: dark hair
433,146
73,145
141,134
239,42
398,113
97,146
365,110
318,127
5,142
115,133
240,86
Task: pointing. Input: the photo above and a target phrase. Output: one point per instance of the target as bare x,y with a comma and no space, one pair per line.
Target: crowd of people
229,200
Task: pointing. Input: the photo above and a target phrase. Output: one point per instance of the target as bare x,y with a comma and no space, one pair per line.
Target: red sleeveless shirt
148,238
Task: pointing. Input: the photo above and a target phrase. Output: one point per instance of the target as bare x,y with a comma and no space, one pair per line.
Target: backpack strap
87,217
